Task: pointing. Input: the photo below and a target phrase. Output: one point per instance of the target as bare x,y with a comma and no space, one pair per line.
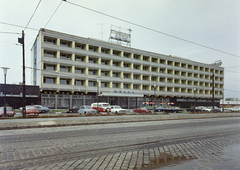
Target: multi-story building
68,68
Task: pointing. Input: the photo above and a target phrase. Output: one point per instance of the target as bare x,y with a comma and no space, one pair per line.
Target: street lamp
194,98
223,101
5,75
154,97
97,93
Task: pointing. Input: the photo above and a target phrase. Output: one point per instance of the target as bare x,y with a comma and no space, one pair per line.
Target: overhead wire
33,14
147,28
19,26
53,14
9,33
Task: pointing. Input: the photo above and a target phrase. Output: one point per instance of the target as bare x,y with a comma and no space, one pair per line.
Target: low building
71,70
14,95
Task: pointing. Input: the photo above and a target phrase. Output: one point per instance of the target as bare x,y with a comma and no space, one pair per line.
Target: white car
234,109
118,110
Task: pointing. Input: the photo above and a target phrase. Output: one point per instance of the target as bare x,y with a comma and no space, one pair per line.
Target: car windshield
117,107
9,109
30,107
87,107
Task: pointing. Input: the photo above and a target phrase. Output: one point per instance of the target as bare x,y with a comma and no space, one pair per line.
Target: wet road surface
174,144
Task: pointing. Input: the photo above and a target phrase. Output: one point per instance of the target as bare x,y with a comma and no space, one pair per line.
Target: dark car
172,109
73,110
9,111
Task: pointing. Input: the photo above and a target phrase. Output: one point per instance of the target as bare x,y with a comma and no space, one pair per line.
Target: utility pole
21,41
213,91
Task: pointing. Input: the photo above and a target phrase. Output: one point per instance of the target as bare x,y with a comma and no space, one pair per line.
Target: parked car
197,109
31,110
73,110
172,109
142,110
118,110
9,111
104,108
86,110
234,109
206,109
42,109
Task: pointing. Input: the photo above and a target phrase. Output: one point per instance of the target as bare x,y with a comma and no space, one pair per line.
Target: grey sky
213,23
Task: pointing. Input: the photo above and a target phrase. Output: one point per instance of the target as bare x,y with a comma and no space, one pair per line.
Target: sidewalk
9,124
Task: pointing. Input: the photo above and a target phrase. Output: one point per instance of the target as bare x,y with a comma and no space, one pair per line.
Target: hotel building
69,68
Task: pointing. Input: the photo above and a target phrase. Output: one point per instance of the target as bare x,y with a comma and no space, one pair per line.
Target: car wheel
43,111
85,113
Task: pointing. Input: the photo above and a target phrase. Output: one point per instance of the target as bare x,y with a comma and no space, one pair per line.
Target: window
115,85
65,69
103,84
78,70
144,77
79,82
103,62
64,81
126,55
49,67
49,54
135,77
144,67
104,73
135,86
65,56
115,64
79,58
65,43
126,75
92,48
114,74
79,46
125,65
144,87
116,53
92,84
49,80
92,60
92,72
50,40
104,51
125,86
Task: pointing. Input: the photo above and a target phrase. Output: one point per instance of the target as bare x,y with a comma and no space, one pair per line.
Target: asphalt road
171,144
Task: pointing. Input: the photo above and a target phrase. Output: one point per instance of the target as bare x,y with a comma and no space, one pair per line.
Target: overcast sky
212,23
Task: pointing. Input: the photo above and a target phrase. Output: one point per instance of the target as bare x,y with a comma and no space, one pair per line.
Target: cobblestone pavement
179,144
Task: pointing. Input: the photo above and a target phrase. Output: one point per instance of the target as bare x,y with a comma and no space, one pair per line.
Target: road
212,143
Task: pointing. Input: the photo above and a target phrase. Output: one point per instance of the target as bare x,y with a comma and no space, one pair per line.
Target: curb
108,120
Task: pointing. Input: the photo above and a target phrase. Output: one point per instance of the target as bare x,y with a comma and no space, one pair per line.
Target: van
104,108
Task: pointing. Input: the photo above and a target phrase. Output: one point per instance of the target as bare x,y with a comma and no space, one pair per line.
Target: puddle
164,160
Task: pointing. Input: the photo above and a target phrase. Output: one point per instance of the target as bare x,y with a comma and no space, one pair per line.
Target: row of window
51,67
118,53
51,80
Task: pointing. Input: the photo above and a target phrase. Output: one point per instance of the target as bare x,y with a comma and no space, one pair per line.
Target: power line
33,14
53,14
172,36
9,33
18,26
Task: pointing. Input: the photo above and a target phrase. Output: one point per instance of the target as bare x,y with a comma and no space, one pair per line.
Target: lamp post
154,97
223,101
194,98
97,93
5,75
